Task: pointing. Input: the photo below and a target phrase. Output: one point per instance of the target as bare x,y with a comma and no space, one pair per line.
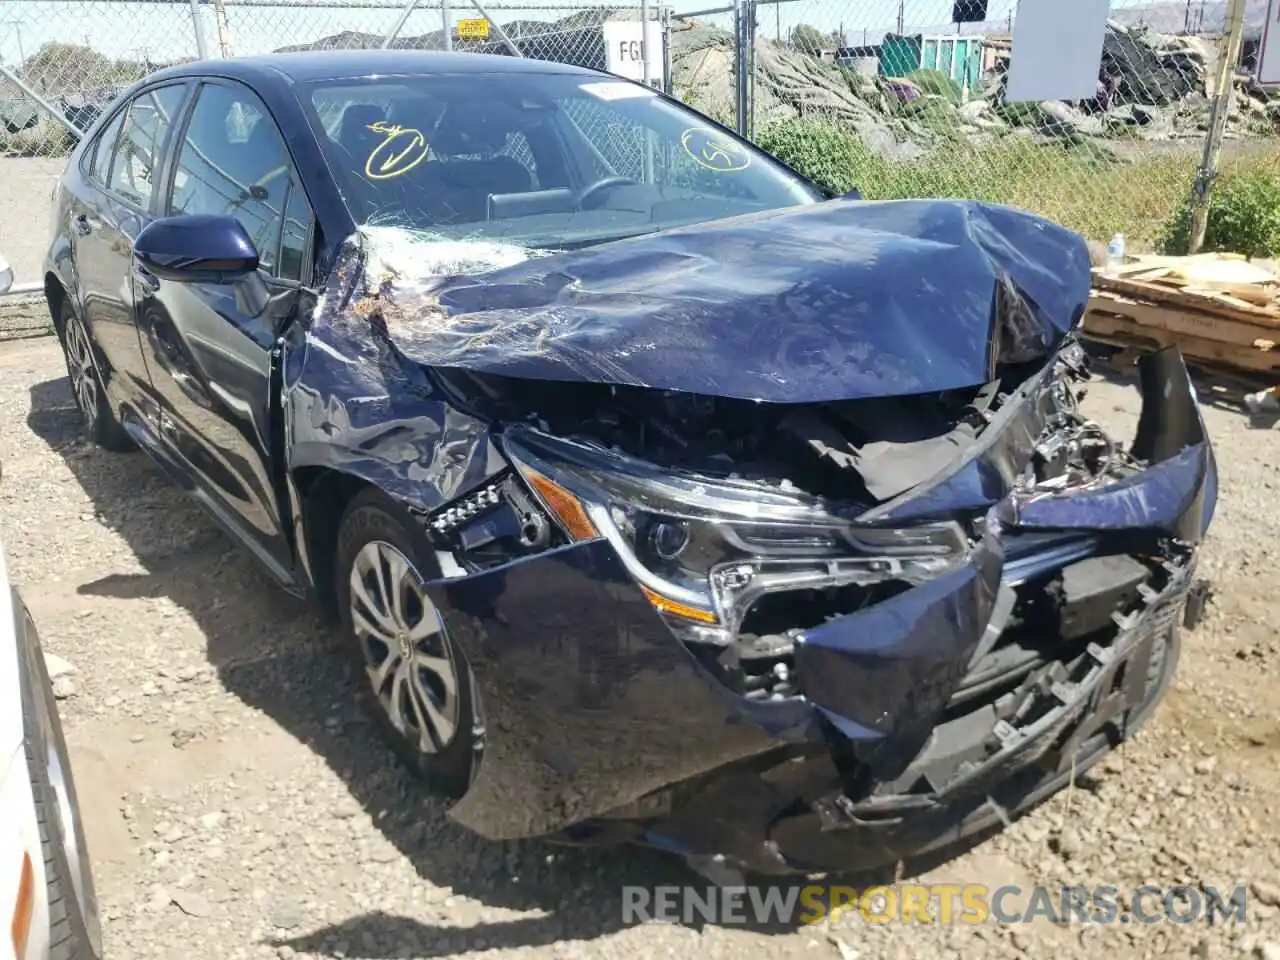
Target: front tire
419,686
86,385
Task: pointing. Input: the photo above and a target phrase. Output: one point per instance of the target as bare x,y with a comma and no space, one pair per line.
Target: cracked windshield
554,160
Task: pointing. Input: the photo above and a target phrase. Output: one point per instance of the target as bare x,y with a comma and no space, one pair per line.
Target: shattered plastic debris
404,267
399,254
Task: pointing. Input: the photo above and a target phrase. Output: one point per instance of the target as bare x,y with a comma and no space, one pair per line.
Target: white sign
622,51
1057,50
1269,50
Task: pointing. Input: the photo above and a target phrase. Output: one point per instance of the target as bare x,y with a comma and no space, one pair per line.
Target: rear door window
104,149
139,149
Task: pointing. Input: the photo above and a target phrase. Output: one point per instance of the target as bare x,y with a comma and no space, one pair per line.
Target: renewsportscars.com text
932,903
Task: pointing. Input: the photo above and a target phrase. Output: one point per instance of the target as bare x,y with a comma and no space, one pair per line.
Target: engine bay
860,452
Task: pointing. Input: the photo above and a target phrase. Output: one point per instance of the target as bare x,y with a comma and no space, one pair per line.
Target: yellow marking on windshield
401,149
715,151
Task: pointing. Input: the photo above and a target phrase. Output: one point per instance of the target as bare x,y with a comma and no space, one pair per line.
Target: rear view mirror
6,275
196,249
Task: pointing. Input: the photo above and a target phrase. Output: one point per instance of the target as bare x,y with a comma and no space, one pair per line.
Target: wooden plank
1221,296
1141,267
1256,294
1159,293
1191,323
1123,332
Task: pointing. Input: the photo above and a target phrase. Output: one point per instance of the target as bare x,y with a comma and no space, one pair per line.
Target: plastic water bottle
1115,254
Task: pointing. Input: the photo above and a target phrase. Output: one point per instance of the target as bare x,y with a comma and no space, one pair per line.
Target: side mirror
6,275
202,248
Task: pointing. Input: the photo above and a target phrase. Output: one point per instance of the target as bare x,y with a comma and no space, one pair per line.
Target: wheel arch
321,497
55,294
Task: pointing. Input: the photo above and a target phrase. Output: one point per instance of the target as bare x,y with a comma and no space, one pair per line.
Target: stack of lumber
1222,310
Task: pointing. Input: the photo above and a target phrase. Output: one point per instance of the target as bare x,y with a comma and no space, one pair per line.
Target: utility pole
902,17
197,26
1225,86
644,50
224,28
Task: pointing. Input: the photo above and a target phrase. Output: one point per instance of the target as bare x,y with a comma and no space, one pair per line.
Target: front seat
473,168
354,135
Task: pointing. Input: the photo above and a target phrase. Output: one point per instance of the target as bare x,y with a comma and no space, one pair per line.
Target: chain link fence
893,99
883,95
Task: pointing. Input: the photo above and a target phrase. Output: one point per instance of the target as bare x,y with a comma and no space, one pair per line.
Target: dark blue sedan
662,496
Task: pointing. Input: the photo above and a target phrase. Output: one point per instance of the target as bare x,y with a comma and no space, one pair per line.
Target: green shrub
1084,186
935,113
1244,217
1020,114
938,84
823,153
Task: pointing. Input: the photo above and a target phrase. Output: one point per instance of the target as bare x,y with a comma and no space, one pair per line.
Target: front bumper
601,724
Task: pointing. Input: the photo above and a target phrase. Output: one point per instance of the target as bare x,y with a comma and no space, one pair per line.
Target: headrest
356,120
469,132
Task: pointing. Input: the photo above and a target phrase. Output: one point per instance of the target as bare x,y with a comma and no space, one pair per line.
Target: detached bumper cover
592,704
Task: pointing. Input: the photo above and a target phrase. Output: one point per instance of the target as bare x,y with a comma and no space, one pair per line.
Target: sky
163,30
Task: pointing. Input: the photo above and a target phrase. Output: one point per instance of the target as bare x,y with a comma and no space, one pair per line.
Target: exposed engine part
490,525
1075,455
459,512
760,663
858,452
535,528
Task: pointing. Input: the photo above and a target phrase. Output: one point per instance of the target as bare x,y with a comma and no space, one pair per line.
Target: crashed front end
802,631
748,677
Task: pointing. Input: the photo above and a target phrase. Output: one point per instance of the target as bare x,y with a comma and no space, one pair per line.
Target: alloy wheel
406,653
84,383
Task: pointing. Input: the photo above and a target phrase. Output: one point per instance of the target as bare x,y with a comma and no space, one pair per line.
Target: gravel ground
239,805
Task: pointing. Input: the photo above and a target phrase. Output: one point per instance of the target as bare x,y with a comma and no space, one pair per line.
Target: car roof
312,65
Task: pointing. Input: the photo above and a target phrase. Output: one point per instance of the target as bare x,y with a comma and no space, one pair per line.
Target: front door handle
83,226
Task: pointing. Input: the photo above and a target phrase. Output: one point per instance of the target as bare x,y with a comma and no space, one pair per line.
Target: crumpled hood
845,299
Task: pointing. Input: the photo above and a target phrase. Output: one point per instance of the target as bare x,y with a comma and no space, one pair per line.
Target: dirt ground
239,805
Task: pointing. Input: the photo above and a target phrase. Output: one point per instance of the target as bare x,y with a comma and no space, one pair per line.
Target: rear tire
80,353
417,682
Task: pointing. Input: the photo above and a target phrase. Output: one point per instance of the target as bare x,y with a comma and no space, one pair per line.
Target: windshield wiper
559,243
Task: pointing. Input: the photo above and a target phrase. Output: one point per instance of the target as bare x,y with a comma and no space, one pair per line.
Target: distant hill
1207,16
1162,16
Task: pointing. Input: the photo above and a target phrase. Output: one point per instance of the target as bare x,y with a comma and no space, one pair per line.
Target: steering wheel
604,183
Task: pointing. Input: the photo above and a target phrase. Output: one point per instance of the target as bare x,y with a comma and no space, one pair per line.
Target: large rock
788,85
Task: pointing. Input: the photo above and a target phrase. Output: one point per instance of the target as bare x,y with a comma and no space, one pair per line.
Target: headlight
704,550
